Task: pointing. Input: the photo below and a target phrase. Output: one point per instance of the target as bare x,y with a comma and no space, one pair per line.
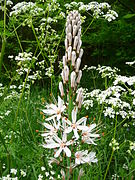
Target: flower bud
61,89
63,77
69,29
79,98
73,58
81,53
64,61
66,44
80,102
77,19
69,52
78,25
79,76
68,22
75,42
79,33
73,77
75,13
74,30
78,63
79,46
73,22
69,36
66,73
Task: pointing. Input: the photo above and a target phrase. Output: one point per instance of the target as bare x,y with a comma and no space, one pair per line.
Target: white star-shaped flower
55,111
56,142
75,125
88,136
51,129
81,157
92,157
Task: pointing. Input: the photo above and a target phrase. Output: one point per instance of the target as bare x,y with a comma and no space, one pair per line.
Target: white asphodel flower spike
55,111
75,125
61,144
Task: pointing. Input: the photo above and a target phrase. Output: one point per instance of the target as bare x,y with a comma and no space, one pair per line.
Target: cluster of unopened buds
63,127
114,144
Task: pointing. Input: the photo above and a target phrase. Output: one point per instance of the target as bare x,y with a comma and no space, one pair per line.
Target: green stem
18,38
8,154
112,150
105,82
116,127
101,111
68,170
39,44
94,82
21,96
88,26
3,38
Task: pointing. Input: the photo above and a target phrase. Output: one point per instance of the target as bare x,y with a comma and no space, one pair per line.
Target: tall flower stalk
66,131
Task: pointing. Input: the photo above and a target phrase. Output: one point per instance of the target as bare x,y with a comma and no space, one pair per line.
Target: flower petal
67,151
51,146
48,126
76,133
58,152
56,138
50,118
60,102
48,111
74,113
84,128
53,107
68,130
81,120
92,126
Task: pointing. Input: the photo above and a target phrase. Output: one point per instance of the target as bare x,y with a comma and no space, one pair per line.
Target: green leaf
128,16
